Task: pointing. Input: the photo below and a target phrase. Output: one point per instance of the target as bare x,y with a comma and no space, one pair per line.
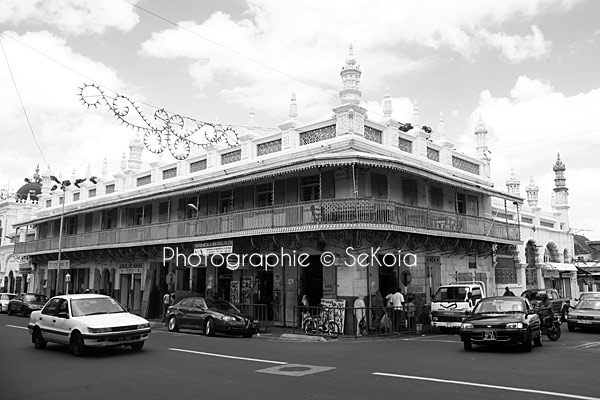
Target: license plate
585,321
489,335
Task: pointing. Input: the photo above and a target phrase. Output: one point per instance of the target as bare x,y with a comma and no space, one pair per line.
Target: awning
560,267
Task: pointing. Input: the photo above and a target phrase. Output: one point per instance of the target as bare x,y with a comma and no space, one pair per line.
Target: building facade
336,209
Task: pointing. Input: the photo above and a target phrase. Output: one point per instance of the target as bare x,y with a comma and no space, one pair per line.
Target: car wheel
444,330
538,340
468,345
9,311
77,345
209,328
526,345
172,325
137,346
24,312
571,328
38,340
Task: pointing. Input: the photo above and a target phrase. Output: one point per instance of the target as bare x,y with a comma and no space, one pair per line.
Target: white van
450,304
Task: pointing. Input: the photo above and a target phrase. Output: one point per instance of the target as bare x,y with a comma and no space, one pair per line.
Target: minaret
387,106
513,183
416,119
441,126
561,201
251,119
104,167
350,73
135,153
532,191
483,152
293,113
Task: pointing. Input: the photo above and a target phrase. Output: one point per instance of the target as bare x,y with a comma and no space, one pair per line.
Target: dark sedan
210,316
586,314
25,303
502,320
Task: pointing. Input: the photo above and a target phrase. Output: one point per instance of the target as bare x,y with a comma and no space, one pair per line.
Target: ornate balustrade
364,213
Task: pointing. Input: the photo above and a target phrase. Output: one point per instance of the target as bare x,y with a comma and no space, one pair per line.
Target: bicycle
321,324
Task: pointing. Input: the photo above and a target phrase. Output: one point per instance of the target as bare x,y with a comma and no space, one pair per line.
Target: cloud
528,129
74,17
69,136
517,49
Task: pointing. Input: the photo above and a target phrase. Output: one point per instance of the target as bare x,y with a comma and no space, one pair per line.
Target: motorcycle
550,326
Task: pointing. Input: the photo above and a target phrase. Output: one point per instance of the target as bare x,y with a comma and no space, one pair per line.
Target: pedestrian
410,311
359,314
378,310
396,301
305,307
167,299
508,292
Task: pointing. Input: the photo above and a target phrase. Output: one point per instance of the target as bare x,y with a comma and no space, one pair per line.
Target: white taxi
82,321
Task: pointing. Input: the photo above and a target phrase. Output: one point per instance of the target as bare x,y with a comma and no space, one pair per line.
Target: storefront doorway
312,281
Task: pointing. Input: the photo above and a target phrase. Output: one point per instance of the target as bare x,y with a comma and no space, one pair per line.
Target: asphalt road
192,366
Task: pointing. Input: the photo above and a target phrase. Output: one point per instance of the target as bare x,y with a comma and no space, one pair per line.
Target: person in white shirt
396,301
359,312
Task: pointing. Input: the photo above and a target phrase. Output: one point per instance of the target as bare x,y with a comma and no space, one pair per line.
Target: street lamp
63,186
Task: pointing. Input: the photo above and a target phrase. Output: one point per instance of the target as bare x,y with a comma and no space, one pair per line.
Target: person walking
396,300
167,299
359,313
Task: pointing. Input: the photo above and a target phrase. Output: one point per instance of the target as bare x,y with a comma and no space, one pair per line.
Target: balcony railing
362,213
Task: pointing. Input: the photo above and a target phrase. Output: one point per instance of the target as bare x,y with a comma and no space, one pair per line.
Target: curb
301,338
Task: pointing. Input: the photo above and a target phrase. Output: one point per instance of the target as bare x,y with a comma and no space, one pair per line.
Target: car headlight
227,318
255,321
99,330
143,326
570,316
466,325
514,325
434,318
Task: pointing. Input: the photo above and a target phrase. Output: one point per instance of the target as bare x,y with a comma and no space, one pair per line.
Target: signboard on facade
130,268
550,273
64,264
205,251
213,243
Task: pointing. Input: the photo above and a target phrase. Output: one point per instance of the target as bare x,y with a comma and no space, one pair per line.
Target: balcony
375,214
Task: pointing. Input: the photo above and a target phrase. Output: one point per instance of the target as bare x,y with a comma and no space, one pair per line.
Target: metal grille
110,188
268,147
374,135
197,166
230,157
144,180
316,135
433,154
405,145
465,165
170,173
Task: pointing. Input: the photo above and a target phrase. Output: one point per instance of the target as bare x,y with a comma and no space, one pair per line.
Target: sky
528,68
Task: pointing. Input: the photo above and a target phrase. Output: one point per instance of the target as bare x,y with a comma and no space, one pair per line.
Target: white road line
587,345
432,340
422,378
18,327
232,357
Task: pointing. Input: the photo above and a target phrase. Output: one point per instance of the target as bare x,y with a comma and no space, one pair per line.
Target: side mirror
63,314
468,312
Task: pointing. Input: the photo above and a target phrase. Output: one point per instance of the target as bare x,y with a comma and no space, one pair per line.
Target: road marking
18,327
422,378
226,356
587,345
294,369
432,340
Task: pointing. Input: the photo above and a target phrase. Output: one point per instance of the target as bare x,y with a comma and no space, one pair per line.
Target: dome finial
293,113
387,104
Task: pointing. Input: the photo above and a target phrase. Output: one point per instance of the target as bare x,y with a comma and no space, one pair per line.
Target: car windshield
451,294
35,298
95,306
499,306
590,296
221,305
589,305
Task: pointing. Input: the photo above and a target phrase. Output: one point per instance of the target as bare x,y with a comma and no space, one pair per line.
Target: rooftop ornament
163,130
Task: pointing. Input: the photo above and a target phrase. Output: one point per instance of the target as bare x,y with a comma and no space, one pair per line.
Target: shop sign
130,268
213,243
25,269
213,250
64,264
550,273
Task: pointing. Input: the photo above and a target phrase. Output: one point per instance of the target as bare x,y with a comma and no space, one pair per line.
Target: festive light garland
163,130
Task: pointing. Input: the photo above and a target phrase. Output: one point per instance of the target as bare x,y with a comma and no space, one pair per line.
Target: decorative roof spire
560,183
441,125
387,105
532,193
105,166
350,73
513,183
481,133
135,152
416,120
88,172
124,161
251,118
293,107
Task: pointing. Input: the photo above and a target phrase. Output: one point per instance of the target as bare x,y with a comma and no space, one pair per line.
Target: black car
25,303
502,320
210,316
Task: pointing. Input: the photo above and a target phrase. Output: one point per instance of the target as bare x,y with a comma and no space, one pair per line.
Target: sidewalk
291,334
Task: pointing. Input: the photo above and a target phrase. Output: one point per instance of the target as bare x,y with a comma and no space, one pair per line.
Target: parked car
25,303
210,316
4,299
589,296
81,321
560,305
586,314
179,295
502,320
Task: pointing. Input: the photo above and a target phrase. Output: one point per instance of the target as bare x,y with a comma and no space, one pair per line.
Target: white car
82,321
4,299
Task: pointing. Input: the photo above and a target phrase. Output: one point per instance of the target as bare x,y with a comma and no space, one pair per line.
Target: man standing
508,292
396,301
359,312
